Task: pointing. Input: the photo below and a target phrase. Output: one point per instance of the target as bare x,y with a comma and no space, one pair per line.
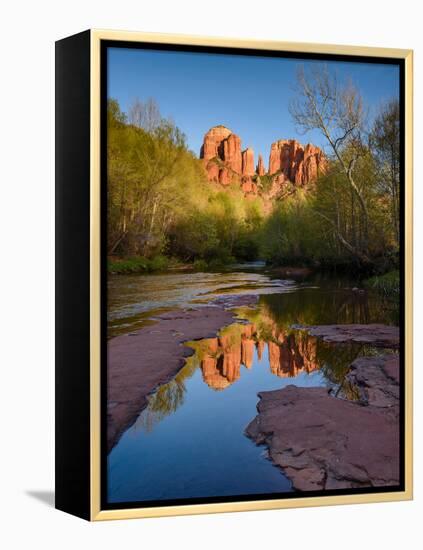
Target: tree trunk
361,256
117,243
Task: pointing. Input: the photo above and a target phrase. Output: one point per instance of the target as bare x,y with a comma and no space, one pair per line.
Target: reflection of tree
335,360
331,306
167,399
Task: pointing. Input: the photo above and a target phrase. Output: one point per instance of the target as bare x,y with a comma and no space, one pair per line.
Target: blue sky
249,95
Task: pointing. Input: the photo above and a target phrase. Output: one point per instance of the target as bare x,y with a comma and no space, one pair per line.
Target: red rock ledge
139,362
377,335
322,442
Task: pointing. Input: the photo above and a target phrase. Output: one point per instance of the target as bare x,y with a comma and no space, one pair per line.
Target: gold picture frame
94,512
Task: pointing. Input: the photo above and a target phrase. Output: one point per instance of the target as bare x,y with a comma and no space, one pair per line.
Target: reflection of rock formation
247,351
222,360
216,375
260,348
296,354
289,354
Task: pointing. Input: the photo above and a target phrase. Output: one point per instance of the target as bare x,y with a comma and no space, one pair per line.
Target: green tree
146,172
385,143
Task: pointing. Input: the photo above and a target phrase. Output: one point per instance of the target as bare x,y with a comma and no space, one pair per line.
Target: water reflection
189,441
221,358
167,399
332,302
133,299
289,351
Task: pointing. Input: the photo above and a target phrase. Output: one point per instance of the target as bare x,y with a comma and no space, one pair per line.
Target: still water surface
189,442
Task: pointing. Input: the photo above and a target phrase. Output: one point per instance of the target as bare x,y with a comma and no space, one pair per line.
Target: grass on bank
388,284
138,264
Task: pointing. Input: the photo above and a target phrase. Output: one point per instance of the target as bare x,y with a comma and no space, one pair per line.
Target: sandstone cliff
260,166
248,168
221,152
296,163
289,161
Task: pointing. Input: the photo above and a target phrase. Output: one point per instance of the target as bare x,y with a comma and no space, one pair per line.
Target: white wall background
28,31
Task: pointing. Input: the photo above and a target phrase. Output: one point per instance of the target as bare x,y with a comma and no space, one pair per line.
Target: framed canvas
233,275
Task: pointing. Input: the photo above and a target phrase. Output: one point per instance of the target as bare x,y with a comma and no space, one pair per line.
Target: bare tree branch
337,112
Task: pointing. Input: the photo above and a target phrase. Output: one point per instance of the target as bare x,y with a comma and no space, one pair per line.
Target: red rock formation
315,162
248,162
232,153
248,186
289,161
221,152
298,164
275,160
260,166
213,172
225,176
212,142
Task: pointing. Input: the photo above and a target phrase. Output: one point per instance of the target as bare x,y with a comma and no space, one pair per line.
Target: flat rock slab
377,335
376,380
139,362
323,442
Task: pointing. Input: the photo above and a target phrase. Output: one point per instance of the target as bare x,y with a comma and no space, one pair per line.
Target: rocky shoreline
323,442
377,335
141,361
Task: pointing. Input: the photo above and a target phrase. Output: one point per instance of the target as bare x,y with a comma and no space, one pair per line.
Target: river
189,442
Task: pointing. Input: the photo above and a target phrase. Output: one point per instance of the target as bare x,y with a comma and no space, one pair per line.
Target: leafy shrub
200,265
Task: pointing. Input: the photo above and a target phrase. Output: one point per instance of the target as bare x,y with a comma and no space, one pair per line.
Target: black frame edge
72,298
